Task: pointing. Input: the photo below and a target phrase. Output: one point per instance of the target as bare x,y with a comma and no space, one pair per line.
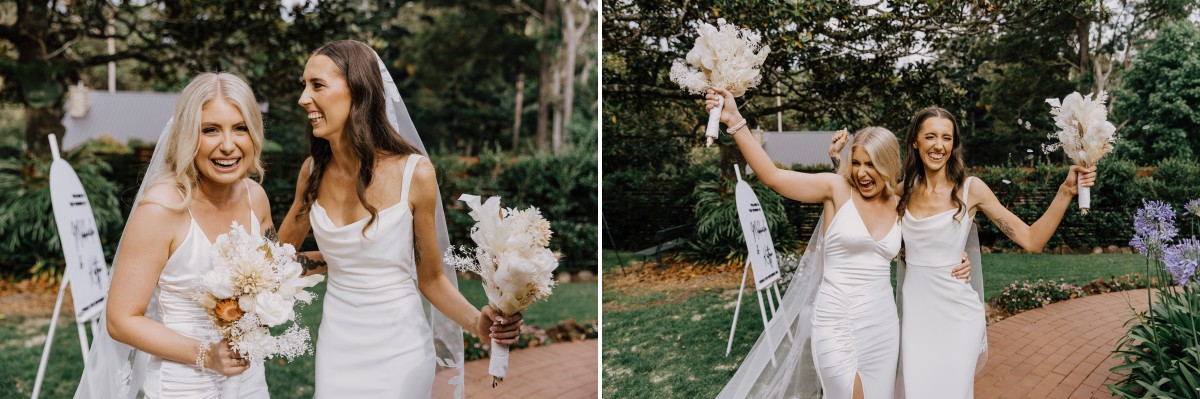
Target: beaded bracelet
735,128
202,356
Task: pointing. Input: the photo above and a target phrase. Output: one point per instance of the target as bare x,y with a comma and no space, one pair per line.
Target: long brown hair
914,166
367,126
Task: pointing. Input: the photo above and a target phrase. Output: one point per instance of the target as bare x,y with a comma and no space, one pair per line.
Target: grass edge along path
670,342
21,340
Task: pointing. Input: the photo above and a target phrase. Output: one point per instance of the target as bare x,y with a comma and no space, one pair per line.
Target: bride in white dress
855,332
196,187
371,200
943,327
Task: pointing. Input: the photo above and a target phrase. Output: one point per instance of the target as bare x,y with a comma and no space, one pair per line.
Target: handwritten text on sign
760,247
86,271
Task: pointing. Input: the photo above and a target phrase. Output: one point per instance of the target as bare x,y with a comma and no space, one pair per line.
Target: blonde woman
855,330
197,185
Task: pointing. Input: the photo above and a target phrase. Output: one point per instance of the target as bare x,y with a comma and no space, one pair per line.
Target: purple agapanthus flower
1193,207
1154,227
1181,259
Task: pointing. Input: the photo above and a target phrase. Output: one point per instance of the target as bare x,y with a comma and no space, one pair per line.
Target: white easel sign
760,255
86,272
759,246
86,269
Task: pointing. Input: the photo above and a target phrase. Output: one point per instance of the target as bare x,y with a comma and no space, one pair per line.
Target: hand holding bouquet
254,284
1084,134
725,57
513,259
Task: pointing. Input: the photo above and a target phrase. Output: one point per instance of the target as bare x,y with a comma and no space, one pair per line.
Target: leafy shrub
718,234
1024,295
28,233
562,186
1124,282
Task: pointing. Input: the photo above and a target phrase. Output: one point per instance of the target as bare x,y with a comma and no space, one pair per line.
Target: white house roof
122,115
799,148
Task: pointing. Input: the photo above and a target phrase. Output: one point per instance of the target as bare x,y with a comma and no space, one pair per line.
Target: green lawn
1000,270
671,343
21,342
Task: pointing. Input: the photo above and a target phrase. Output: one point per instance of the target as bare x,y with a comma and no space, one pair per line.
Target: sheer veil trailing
113,369
447,335
793,374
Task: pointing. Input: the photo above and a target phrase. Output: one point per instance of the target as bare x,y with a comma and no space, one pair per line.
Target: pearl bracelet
735,128
202,356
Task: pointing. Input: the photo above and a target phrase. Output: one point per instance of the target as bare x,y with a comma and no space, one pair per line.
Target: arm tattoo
271,234
1005,228
837,162
308,263
417,248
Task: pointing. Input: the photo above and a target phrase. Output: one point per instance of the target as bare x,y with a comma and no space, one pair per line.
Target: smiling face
935,142
225,152
867,179
326,97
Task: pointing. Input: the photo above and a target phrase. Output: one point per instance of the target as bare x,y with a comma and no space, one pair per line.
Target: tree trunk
556,129
1084,30
518,109
40,122
572,36
545,78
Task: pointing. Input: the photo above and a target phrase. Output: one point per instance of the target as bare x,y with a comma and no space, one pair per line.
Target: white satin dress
944,330
373,341
178,311
855,329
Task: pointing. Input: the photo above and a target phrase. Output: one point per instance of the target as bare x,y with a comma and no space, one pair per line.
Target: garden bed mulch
31,298
681,279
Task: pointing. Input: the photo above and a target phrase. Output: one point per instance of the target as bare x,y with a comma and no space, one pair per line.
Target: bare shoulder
153,204
161,193
977,186
306,168
839,188
258,198
425,171
390,166
978,192
424,182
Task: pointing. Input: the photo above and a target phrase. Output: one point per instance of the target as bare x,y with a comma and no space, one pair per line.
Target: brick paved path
564,370
1061,351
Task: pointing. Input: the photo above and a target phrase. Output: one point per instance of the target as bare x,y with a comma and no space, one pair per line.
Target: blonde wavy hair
884,149
183,142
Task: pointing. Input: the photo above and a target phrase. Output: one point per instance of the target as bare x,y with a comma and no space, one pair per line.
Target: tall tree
1160,97
53,44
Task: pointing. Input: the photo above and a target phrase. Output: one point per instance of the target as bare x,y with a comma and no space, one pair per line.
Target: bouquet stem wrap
1085,196
512,258
714,122
498,362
